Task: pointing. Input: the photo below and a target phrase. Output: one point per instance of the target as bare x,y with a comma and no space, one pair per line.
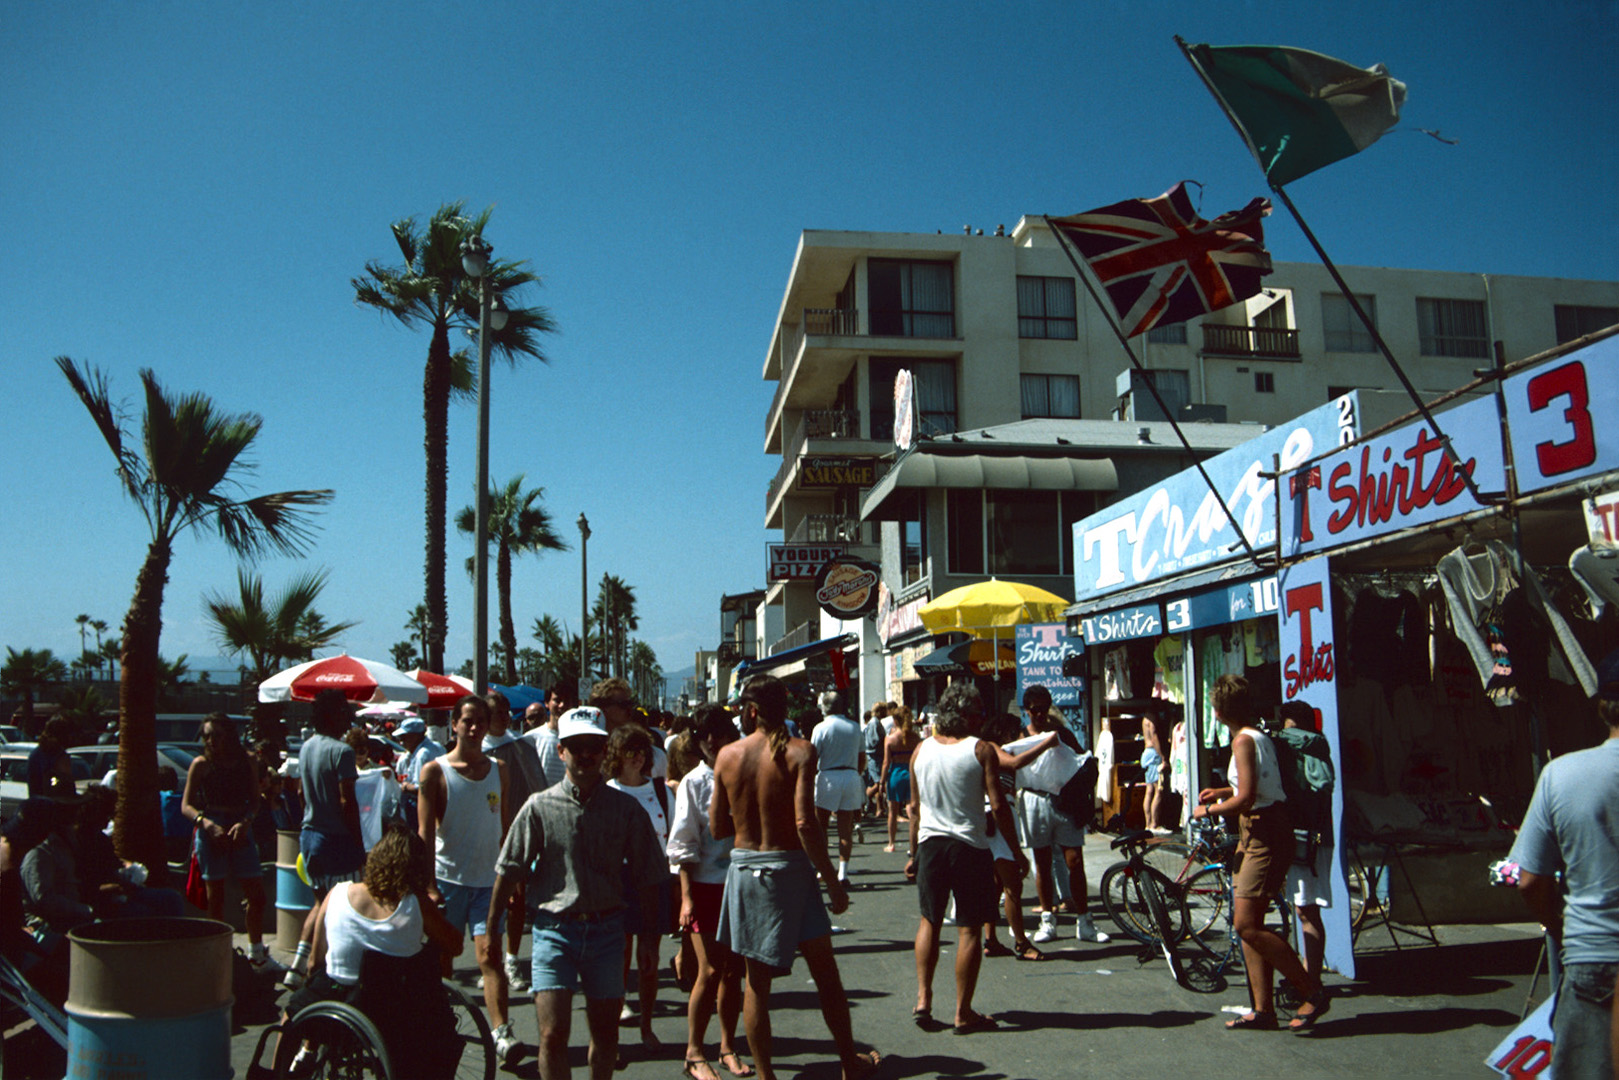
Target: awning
790,661
983,471
1191,601
975,657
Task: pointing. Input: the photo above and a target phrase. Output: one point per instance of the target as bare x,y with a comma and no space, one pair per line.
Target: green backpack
1308,779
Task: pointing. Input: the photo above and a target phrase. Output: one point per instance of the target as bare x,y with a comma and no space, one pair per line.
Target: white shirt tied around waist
467,841
949,782
690,841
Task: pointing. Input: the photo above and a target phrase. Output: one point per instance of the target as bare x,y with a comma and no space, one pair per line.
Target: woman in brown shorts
1263,856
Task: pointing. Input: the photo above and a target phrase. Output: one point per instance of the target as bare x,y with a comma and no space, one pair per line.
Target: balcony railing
792,639
1250,341
827,529
836,322
813,424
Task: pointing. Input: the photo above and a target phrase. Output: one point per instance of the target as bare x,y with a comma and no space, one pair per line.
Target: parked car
14,775
10,733
99,760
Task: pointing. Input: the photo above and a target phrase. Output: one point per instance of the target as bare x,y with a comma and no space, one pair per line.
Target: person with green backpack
1308,779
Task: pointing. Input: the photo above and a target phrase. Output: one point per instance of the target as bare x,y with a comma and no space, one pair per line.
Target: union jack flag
1161,263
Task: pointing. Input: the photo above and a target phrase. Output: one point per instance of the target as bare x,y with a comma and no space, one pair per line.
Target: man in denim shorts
1568,828
573,844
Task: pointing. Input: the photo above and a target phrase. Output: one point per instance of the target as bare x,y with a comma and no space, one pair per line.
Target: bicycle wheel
1155,893
1362,900
477,1049
1122,906
342,1044
1208,912
1172,857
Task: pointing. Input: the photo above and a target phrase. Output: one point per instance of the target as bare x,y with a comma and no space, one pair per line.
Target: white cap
581,721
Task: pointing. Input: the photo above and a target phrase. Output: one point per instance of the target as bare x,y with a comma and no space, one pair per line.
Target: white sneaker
626,1015
507,1048
516,977
859,834
261,962
1086,930
1048,928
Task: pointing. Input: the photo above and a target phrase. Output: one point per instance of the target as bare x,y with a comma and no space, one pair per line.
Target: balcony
1250,341
814,424
798,635
827,529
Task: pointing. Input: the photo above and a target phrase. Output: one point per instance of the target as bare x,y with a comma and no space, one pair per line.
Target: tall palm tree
27,673
645,674
109,651
431,289
84,623
172,675
183,472
276,631
615,617
100,627
518,525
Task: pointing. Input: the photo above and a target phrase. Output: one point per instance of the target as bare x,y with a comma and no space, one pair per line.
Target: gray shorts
839,789
1039,824
772,905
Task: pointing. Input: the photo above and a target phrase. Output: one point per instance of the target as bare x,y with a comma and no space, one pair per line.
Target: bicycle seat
1130,838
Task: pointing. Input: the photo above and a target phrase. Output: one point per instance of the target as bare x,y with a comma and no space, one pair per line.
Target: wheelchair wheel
343,1045
477,1049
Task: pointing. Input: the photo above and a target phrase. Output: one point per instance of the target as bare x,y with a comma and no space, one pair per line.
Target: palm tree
646,676
615,617
172,675
431,289
100,627
402,654
182,473
284,629
27,673
110,650
416,624
518,525
84,642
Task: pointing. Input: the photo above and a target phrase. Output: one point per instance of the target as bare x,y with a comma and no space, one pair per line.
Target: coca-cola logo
334,677
846,588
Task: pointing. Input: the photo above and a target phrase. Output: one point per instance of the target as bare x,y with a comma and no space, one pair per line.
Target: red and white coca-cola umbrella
443,691
359,679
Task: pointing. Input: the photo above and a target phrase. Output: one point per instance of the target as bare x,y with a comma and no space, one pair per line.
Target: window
1013,532
1172,334
1173,385
1342,328
1452,328
935,395
1264,382
1045,308
1051,396
913,540
1574,321
912,299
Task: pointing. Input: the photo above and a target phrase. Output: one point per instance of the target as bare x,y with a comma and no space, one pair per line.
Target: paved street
1096,1010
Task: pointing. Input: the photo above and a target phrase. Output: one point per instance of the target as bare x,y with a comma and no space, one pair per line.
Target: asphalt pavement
1088,1009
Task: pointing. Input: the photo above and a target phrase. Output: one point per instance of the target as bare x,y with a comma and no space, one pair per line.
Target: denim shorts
467,906
568,955
330,860
220,861
1582,1025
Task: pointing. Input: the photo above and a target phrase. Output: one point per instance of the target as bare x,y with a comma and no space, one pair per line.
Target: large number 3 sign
1566,385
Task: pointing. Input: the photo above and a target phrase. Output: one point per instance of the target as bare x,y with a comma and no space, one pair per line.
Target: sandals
690,1068
1320,1002
995,948
977,1024
1254,1021
1026,952
740,1068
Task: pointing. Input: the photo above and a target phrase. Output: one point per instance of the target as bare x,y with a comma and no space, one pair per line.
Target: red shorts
706,901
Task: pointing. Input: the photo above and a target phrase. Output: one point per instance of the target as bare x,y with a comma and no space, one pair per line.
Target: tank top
227,790
647,795
349,934
1268,789
467,841
950,788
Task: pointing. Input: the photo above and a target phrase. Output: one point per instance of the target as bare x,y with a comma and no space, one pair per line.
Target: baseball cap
584,720
1608,677
411,725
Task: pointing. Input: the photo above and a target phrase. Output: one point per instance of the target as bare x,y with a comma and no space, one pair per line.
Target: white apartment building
1000,334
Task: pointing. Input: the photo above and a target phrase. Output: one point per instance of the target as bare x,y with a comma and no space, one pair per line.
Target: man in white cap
419,750
574,844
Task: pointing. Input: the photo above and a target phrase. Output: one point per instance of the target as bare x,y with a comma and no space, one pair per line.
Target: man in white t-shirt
839,786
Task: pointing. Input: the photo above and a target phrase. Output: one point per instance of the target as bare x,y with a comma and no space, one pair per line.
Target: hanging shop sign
799,562
1041,649
1561,415
1143,620
897,620
902,664
846,588
1221,605
1177,525
820,472
1602,519
1396,481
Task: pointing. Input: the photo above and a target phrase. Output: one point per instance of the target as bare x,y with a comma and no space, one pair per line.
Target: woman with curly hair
896,778
627,765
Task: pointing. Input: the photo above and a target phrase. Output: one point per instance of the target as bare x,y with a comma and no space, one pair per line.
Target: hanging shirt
1116,670
1169,659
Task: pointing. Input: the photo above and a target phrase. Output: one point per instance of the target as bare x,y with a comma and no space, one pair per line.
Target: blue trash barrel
149,997
293,896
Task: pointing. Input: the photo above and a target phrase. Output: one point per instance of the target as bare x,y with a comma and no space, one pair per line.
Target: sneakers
1048,928
626,1015
507,1048
859,833
1086,930
516,977
259,959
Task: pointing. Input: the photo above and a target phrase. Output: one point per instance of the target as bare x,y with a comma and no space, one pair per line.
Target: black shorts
947,867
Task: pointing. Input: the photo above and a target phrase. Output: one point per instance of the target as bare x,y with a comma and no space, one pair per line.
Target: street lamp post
584,604
475,252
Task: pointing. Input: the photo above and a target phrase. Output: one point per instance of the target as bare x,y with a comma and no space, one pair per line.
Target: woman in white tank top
1264,854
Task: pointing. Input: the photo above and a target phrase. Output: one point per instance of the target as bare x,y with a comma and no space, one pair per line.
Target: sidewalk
1093,1009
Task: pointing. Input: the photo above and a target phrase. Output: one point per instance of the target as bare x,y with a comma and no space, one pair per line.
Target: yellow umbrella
986,606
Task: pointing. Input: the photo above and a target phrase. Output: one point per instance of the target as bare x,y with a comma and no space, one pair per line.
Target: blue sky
193,186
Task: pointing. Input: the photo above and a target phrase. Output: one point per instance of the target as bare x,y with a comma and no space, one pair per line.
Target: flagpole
1411,391
1135,362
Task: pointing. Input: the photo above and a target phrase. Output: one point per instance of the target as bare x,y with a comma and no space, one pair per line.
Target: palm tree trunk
436,413
503,590
137,824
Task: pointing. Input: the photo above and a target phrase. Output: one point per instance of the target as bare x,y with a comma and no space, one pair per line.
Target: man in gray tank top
953,773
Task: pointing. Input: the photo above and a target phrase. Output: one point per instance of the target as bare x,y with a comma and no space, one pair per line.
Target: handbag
196,887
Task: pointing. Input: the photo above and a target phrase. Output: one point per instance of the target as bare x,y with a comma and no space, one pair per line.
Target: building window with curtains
1169,334
1453,328
1013,532
913,539
1341,327
1045,308
1051,396
935,395
912,299
1574,321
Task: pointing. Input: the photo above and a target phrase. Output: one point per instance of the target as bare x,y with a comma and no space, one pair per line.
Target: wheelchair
374,1034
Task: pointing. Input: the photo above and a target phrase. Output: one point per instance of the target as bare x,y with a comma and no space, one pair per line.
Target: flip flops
1254,1021
976,1025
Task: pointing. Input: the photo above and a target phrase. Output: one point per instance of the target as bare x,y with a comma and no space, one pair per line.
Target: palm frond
91,388
267,523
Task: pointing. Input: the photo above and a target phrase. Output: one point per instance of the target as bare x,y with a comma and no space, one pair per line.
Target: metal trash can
150,997
293,896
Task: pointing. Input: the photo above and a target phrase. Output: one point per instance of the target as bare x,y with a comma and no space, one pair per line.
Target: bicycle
1148,899
1197,870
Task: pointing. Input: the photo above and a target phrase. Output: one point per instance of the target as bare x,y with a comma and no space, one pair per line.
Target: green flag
1298,110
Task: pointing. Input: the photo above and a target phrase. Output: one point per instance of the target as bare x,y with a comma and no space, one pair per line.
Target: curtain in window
1036,402
1452,328
1031,309
936,396
1064,394
925,295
